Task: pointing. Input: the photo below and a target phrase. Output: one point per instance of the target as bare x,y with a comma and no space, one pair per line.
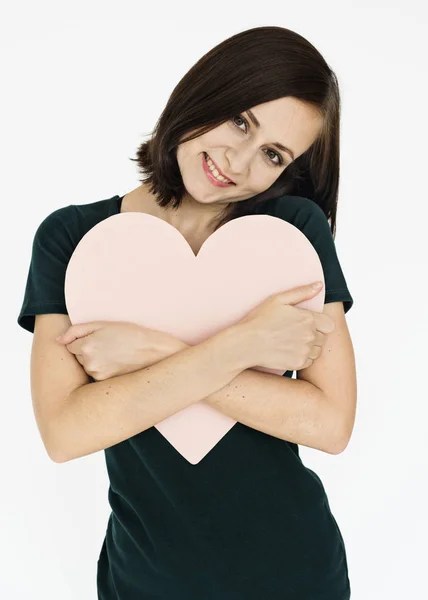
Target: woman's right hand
283,336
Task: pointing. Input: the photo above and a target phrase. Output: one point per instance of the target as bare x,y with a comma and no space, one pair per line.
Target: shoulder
55,228
68,224
300,211
311,220
58,216
307,216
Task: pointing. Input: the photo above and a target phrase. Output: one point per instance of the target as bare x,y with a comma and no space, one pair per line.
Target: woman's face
247,154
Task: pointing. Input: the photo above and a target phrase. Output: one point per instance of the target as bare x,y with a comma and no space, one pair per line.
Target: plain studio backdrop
82,84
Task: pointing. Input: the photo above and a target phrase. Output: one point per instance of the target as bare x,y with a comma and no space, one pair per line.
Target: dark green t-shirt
249,521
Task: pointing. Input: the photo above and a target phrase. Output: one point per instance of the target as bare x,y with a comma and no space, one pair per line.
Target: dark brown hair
252,67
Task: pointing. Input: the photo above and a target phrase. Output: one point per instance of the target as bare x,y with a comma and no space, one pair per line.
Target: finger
324,323
80,359
66,338
79,330
307,364
298,294
75,347
315,352
319,338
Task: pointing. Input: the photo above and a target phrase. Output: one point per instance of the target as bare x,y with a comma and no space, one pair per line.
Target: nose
239,160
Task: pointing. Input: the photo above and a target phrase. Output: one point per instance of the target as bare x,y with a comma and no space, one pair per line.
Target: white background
82,83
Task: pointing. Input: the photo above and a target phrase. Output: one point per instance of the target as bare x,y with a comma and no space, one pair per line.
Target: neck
192,216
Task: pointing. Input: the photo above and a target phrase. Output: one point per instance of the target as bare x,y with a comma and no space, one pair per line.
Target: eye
280,159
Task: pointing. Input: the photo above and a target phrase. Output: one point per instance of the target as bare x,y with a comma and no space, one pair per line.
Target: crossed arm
316,410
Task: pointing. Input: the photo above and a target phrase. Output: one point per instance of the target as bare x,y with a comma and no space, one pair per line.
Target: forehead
288,121
286,111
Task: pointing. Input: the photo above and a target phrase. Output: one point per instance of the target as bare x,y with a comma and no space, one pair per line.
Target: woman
253,127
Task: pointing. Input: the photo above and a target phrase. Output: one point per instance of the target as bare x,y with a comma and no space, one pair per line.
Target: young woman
253,127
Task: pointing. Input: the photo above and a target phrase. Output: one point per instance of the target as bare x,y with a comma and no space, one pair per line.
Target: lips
218,169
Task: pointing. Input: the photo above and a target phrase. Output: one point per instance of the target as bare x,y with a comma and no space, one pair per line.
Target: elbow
54,448
340,446
341,440
58,454
335,444
55,455
341,431
57,458
59,436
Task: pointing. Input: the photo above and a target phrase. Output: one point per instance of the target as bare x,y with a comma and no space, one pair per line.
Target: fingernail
317,285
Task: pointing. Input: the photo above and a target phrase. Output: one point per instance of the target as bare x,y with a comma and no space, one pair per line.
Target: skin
244,153
248,157
318,408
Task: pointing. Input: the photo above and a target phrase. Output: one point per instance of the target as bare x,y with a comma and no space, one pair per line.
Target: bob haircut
252,67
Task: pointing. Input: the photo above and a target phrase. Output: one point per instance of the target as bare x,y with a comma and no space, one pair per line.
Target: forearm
104,413
290,409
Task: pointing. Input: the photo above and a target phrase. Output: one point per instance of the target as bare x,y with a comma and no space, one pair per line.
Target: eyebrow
277,144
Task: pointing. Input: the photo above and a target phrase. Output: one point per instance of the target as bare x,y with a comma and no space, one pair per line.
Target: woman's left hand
109,348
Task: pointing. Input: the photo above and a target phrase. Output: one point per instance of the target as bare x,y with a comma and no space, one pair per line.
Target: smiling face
246,153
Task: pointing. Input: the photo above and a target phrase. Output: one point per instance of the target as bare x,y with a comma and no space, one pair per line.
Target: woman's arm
318,413
101,414
316,410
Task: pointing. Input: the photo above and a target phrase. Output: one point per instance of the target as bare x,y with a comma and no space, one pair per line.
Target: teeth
214,171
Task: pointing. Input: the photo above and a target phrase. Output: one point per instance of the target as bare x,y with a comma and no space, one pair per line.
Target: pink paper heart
136,267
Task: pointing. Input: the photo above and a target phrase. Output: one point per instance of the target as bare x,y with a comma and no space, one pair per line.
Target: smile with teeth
214,171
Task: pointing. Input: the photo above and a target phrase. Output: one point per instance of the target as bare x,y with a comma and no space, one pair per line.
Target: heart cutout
136,267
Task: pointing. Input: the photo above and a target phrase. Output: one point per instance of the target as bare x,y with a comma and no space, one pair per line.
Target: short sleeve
309,217
51,251
317,230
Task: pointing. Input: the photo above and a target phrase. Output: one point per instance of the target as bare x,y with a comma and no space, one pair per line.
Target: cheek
263,178
188,158
219,137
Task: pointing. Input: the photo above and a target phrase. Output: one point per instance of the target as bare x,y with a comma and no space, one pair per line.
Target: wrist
168,345
235,340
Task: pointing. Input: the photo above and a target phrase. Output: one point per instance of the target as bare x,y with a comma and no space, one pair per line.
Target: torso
139,200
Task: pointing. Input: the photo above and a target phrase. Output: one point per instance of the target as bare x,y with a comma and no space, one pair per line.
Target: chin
200,195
